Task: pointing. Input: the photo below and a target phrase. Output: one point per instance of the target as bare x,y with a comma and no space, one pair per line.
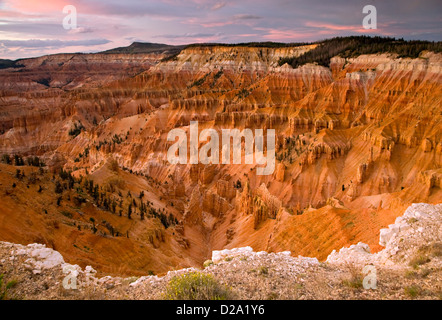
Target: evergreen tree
129,211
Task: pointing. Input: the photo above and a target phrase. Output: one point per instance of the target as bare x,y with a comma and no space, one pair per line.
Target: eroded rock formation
364,132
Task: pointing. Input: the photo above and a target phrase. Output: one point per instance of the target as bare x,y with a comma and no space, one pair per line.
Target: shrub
18,160
425,272
418,261
263,270
6,159
412,291
355,280
196,286
58,187
113,165
5,288
35,162
207,263
432,250
79,200
76,130
425,253
67,214
410,274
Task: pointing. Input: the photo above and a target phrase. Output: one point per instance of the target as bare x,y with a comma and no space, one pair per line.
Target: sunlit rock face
356,143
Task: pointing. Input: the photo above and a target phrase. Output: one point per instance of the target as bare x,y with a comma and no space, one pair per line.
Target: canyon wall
356,143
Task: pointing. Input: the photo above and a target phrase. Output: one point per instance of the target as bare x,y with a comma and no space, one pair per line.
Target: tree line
348,47
18,160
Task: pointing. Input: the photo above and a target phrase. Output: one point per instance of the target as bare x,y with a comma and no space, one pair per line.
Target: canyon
357,143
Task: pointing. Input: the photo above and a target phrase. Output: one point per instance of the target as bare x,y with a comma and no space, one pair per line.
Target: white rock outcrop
281,259
220,255
40,257
420,225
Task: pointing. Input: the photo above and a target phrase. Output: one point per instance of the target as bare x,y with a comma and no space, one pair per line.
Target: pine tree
94,229
129,211
58,187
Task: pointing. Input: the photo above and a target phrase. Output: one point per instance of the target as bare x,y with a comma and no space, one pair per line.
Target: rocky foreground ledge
408,268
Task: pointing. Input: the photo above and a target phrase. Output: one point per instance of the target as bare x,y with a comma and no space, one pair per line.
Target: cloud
331,26
51,43
186,35
237,19
186,21
31,28
16,14
246,17
191,38
31,6
285,35
218,6
81,30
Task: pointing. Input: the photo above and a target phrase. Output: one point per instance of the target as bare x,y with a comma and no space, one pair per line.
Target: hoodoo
137,163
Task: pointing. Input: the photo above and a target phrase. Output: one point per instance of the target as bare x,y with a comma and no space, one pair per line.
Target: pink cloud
16,14
52,6
218,6
280,35
247,35
36,6
215,24
329,29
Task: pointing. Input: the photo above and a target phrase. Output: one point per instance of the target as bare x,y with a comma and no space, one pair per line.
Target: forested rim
348,47
345,47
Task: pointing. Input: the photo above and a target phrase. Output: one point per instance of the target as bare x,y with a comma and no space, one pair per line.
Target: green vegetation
207,263
355,280
6,159
74,192
44,81
263,270
218,75
76,130
35,162
348,47
412,291
116,139
196,286
412,220
5,288
243,93
425,253
58,187
172,57
166,220
418,261
5,63
18,160
67,214
200,81
355,283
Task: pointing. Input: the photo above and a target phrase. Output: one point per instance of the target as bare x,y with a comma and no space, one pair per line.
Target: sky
30,28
